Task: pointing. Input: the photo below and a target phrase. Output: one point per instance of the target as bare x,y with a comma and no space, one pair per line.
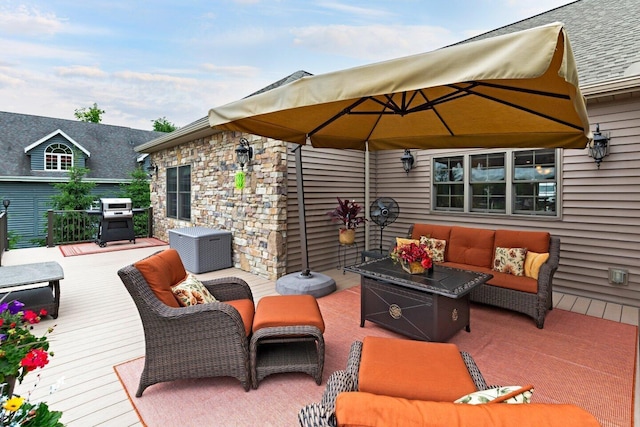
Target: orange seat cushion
472,246
162,271
246,309
535,241
413,369
288,310
365,409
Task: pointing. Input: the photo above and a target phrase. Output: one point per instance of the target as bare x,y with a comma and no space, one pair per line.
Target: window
512,183
179,192
58,157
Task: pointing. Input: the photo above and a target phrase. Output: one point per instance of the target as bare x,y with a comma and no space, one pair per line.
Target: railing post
150,221
50,228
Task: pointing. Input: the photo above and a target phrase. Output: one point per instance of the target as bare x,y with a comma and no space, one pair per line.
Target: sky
176,59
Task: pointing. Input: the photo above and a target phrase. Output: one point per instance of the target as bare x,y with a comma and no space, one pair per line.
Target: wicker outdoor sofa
475,249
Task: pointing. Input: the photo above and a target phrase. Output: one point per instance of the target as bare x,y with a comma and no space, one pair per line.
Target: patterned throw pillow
436,247
509,394
533,262
510,260
191,292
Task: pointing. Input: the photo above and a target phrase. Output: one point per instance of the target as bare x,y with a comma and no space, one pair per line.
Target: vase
8,385
412,267
347,236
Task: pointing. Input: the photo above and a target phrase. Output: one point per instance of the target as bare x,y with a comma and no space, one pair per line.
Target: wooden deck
99,327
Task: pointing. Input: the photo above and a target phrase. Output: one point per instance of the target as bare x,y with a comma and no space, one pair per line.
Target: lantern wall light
407,160
244,153
599,146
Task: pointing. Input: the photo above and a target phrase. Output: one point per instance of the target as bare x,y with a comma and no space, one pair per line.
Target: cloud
372,42
134,76
29,21
354,10
80,71
233,71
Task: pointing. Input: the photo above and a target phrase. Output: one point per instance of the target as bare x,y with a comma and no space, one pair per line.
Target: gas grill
116,222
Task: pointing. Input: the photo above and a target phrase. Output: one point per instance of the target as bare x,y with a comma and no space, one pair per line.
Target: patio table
16,281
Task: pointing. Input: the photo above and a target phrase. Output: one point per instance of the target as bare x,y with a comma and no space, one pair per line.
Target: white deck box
202,249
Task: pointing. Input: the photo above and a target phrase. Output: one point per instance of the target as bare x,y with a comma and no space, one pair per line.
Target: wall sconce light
152,169
244,153
618,276
599,146
407,160
6,203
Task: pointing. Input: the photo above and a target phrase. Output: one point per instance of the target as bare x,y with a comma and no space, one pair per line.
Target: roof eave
603,90
198,129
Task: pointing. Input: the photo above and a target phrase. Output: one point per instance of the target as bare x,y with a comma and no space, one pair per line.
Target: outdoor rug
93,248
575,359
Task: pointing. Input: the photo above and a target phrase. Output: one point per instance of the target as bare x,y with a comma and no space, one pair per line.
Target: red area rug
93,248
575,359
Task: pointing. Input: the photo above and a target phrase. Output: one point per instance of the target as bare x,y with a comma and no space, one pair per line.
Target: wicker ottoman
287,337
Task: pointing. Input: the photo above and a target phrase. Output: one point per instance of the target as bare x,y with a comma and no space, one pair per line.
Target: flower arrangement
17,412
411,254
347,213
20,350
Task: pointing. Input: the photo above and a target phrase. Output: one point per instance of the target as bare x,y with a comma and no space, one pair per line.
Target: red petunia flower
31,316
36,358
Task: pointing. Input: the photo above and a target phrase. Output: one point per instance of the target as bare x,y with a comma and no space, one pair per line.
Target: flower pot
412,267
347,236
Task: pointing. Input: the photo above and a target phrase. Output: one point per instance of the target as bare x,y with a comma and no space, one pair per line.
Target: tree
140,194
93,114
74,195
161,124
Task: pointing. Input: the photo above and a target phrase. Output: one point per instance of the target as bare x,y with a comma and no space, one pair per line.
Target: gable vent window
58,157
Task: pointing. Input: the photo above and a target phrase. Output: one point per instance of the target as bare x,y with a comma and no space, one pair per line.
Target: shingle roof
111,147
604,36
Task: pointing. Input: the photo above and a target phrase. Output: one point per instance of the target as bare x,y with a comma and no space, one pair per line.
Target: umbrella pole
301,215
305,282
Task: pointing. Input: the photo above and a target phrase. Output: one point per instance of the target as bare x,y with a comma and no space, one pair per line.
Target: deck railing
4,234
65,226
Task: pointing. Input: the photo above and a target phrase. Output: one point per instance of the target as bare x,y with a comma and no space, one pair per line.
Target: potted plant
347,213
414,258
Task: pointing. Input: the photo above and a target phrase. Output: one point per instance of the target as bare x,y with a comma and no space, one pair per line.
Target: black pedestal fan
384,211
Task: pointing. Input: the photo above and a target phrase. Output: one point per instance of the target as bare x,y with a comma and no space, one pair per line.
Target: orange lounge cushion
439,232
413,369
473,246
358,409
503,280
535,241
246,309
288,310
162,271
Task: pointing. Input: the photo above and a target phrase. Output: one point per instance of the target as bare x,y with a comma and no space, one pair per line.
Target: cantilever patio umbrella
518,90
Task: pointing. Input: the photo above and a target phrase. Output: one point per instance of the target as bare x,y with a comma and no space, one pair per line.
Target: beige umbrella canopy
517,90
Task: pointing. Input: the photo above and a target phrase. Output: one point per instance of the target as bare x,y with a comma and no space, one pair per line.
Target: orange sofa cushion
535,241
288,310
246,309
413,369
440,232
472,246
162,271
357,409
503,280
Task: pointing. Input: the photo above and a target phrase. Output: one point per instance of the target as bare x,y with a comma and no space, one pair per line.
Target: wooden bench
15,281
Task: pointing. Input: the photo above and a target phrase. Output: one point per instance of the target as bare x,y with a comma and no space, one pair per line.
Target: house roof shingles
603,34
112,147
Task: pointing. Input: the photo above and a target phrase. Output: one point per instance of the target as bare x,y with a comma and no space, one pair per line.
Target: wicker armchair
199,341
322,414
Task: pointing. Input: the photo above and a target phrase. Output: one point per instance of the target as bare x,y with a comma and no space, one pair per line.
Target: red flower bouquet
414,258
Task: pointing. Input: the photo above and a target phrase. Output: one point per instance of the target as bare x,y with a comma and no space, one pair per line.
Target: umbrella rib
346,110
429,103
519,107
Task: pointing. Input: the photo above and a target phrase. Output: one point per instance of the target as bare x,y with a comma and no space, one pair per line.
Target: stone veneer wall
256,215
